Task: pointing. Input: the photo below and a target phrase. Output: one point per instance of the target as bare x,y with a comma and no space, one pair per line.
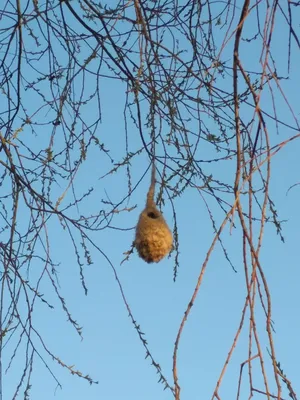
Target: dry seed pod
153,238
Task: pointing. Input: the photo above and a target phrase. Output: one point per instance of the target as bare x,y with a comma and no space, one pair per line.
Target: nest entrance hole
152,214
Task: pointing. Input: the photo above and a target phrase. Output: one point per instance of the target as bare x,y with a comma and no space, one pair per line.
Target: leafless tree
183,67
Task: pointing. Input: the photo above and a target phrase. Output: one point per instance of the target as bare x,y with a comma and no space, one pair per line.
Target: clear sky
110,351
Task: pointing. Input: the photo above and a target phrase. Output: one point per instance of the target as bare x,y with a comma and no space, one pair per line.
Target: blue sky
110,351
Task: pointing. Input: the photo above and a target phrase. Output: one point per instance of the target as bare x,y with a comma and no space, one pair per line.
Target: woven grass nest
153,239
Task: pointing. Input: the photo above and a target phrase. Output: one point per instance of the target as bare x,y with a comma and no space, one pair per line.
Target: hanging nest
153,239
